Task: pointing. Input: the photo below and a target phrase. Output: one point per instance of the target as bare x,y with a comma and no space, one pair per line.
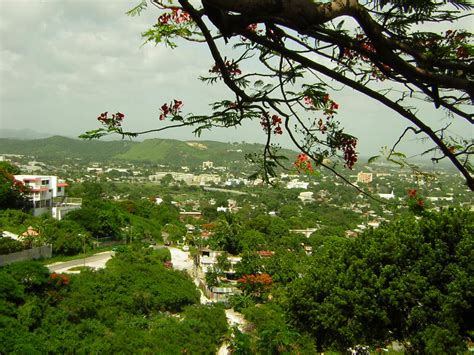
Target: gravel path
182,261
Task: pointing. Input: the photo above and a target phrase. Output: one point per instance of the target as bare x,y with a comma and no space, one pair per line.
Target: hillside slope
157,151
58,147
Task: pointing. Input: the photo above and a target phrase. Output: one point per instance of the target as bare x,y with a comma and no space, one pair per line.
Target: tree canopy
12,192
300,51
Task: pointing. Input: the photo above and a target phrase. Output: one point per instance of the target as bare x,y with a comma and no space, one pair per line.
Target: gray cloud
63,62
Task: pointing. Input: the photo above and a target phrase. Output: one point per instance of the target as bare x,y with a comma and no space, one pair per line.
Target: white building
207,164
48,196
306,196
387,196
296,184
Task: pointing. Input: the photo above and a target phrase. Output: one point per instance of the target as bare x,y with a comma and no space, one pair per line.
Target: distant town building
189,179
387,196
95,169
306,232
207,164
364,178
306,196
48,196
296,184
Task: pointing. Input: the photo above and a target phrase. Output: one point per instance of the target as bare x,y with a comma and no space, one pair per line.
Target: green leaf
136,11
373,159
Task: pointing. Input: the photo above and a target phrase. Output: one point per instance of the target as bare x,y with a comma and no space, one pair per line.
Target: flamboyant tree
298,50
12,192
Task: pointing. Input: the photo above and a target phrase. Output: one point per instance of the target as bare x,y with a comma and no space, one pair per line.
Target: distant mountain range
159,151
22,134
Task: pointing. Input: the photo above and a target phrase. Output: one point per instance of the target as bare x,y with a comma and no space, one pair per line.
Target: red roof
62,184
265,253
30,232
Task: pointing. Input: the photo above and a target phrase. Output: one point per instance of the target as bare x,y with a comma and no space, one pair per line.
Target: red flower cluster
177,16
19,185
330,106
115,120
303,163
58,279
308,101
364,43
458,40
231,67
262,279
273,123
350,155
173,109
413,195
367,47
254,28
415,202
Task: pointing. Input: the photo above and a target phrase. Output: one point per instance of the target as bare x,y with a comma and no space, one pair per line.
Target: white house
207,164
306,196
48,196
296,184
387,196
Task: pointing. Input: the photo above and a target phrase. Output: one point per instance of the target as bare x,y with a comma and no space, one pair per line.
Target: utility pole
83,248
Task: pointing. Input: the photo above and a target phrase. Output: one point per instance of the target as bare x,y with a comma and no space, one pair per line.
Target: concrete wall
46,251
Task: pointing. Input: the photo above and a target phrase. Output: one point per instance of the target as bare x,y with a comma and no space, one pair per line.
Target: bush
9,245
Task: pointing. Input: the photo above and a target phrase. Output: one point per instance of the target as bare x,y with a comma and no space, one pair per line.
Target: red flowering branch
416,203
255,284
58,280
177,16
272,124
231,67
303,164
171,109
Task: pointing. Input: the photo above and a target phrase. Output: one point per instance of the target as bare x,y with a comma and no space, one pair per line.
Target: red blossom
276,120
275,123
231,67
308,101
412,193
254,28
348,145
58,279
173,109
177,15
303,163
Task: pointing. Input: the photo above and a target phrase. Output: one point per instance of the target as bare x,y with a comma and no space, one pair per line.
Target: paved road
96,261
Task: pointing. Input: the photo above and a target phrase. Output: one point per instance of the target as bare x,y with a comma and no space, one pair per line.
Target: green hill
158,151
189,153
58,147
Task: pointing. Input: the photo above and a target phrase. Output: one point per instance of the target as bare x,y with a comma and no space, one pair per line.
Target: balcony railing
67,201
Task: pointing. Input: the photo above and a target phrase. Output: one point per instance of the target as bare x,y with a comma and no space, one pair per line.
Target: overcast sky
64,62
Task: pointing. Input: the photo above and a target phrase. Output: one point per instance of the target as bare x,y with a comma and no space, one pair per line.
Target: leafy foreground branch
300,50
